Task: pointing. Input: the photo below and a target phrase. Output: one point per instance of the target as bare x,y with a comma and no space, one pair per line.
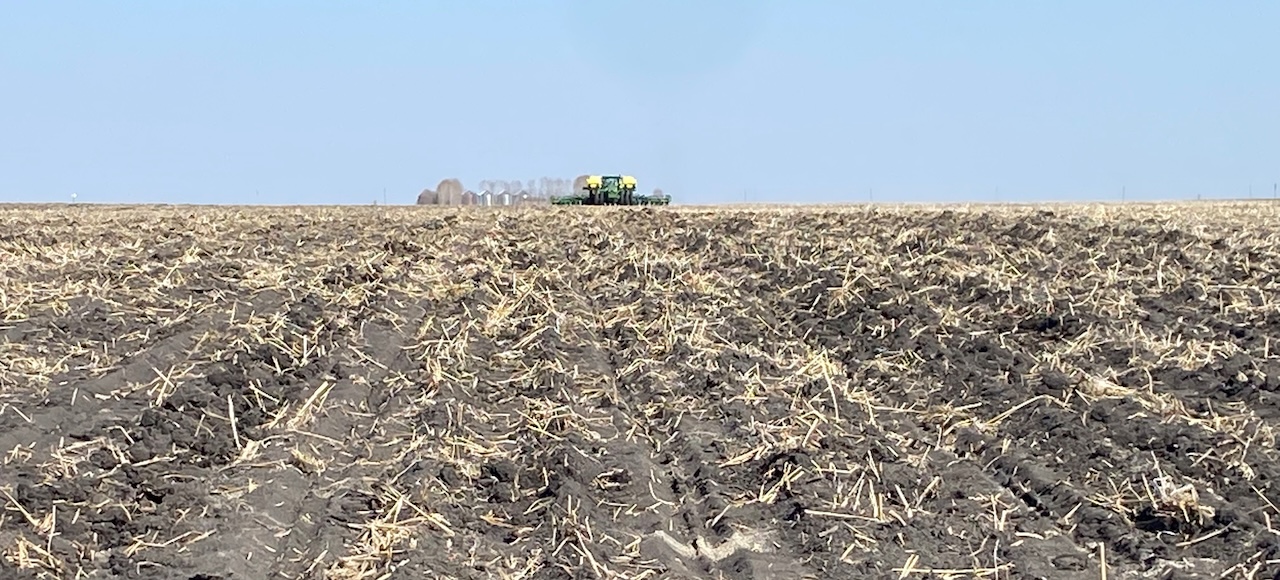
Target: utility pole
1123,193
384,196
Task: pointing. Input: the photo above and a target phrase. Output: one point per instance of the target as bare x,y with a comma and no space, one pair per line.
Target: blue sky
714,101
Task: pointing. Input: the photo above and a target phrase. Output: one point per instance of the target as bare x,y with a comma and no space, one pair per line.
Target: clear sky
713,101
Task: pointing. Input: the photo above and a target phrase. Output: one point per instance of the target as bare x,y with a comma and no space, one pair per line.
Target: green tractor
610,190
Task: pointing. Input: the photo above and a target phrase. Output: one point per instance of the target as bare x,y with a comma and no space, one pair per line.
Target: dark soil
349,393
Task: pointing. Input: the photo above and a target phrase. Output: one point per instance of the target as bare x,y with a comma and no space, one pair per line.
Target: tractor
610,190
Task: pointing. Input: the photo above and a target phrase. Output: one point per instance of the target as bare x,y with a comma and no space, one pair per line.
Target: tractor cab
609,190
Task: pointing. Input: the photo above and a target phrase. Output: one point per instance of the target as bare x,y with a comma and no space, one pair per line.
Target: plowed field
350,393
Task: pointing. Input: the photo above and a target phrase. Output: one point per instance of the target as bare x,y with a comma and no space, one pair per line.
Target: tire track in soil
697,539
591,469
704,478
628,470
873,439
418,413
739,510
574,481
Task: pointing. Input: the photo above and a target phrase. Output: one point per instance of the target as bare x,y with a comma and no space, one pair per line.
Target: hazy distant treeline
496,192
499,191
541,187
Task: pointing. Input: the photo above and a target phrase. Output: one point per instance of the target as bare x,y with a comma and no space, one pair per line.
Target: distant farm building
492,193
450,192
